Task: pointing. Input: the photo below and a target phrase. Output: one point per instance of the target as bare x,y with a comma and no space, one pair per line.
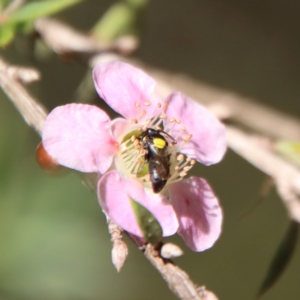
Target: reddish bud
46,162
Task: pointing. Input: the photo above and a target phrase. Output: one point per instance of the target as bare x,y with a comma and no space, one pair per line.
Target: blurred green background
53,238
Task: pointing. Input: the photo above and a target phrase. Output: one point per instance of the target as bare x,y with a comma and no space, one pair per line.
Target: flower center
149,149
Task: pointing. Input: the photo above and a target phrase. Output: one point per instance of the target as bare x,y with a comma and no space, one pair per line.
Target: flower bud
46,162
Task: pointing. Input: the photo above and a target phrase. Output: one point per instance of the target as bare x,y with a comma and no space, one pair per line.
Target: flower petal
198,212
114,193
123,87
78,137
118,126
208,142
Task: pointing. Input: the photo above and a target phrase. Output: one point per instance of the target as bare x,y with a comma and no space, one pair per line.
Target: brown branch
33,112
286,176
177,280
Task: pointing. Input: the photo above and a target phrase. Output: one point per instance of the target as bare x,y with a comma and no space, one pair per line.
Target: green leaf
122,18
281,258
6,35
36,9
3,4
291,150
150,227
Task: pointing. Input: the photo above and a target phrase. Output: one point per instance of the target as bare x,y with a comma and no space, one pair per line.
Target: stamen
184,164
133,121
148,103
165,106
182,174
137,106
187,168
188,137
180,157
163,116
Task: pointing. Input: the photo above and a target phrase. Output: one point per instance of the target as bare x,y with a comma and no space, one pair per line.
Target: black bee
157,156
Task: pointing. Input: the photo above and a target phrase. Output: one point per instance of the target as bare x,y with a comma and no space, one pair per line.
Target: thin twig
31,110
177,280
285,175
22,74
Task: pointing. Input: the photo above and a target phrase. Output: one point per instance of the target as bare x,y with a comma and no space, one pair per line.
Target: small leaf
290,150
150,227
123,18
6,35
281,258
36,9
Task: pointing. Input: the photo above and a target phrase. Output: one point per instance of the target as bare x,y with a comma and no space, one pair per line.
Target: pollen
182,174
133,121
188,137
183,165
180,157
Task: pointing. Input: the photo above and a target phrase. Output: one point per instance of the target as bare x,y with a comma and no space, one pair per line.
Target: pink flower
83,137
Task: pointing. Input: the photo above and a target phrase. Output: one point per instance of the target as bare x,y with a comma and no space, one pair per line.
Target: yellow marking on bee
159,143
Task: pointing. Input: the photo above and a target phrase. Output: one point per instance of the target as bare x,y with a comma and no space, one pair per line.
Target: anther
188,138
158,105
148,103
133,121
163,116
177,121
180,157
172,120
165,106
187,168
183,128
143,113
143,152
182,174
137,106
